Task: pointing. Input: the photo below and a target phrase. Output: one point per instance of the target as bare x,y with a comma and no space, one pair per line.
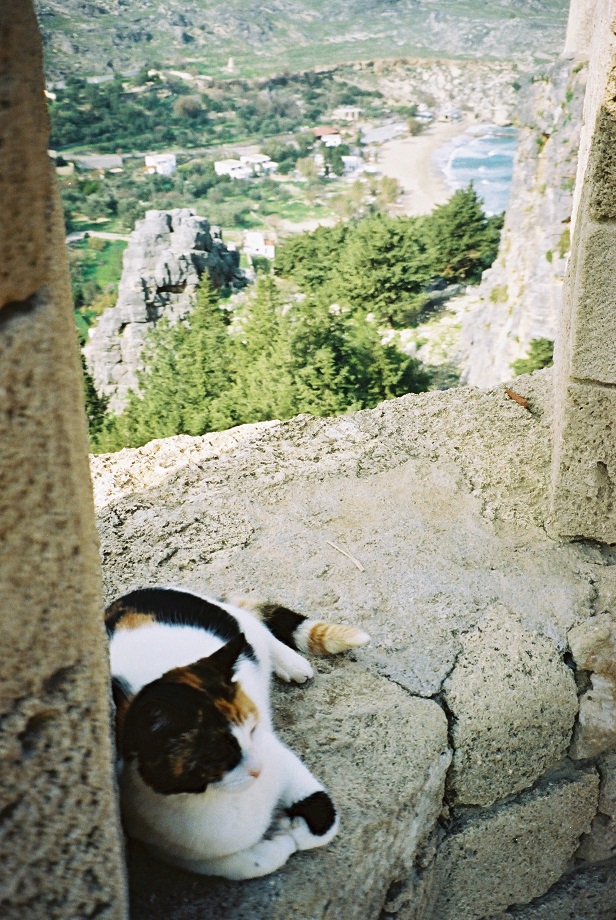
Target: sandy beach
410,161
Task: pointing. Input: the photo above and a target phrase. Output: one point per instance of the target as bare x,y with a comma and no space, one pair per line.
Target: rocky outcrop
447,741
167,254
520,296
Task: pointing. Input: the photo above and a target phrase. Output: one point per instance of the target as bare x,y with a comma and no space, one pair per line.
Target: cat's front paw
305,839
289,666
314,821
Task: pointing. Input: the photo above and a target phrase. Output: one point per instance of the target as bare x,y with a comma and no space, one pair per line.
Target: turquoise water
484,156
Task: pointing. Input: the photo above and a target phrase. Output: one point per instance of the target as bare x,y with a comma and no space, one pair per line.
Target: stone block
586,895
593,334
60,840
383,755
607,793
26,173
599,843
602,159
584,474
593,646
513,703
514,852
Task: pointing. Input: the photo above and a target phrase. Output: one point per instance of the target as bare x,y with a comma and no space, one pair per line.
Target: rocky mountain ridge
103,36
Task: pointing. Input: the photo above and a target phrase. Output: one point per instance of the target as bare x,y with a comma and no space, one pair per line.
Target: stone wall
59,835
584,467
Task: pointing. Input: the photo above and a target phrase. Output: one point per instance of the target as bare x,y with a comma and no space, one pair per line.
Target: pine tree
96,406
185,386
462,240
263,386
383,268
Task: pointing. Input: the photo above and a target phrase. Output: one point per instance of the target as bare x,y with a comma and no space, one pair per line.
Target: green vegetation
499,293
564,243
385,265
540,354
280,358
96,268
149,114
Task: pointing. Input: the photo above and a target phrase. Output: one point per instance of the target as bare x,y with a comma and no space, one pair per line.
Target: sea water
484,156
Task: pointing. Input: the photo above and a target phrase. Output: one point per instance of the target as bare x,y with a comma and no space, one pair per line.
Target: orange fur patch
332,638
185,676
239,709
133,620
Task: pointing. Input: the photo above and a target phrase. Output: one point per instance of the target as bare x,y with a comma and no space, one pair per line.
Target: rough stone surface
593,354
440,499
167,254
60,844
25,177
585,406
514,852
383,755
586,895
600,843
584,495
253,509
513,703
594,650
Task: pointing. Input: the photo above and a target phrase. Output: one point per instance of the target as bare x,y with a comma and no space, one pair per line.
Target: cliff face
520,296
167,253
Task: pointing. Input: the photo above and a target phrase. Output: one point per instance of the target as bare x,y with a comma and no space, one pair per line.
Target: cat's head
193,726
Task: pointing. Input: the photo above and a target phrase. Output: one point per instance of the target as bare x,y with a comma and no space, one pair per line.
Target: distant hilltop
117,36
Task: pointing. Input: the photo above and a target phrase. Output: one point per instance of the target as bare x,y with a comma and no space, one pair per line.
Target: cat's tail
303,634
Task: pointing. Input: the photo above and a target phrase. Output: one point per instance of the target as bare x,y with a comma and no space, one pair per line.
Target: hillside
93,37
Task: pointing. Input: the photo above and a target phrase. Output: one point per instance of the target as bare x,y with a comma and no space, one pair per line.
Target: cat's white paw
289,666
305,839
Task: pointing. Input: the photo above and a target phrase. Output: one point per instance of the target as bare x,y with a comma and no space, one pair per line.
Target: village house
249,165
163,164
233,168
259,163
257,244
347,113
329,136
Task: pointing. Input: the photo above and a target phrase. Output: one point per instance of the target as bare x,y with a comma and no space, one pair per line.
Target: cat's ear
226,657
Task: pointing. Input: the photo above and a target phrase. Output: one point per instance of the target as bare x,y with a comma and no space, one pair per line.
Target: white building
164,164
347,113
353,164
234,168
259,163
257,244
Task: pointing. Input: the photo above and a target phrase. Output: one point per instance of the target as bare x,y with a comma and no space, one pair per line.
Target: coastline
410,160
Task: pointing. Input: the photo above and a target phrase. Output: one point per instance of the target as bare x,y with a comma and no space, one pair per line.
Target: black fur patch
282,622
317,810
181,741
177,608
121,692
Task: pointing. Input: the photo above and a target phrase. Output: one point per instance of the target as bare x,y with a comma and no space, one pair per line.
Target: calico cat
204,780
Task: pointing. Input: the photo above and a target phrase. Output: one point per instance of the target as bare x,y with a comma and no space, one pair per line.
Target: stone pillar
584,464
60,842
580,27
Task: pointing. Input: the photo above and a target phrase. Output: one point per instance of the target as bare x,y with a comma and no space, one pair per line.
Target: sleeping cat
204,780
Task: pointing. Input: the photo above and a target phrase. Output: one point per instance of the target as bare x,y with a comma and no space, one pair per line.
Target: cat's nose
255,771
